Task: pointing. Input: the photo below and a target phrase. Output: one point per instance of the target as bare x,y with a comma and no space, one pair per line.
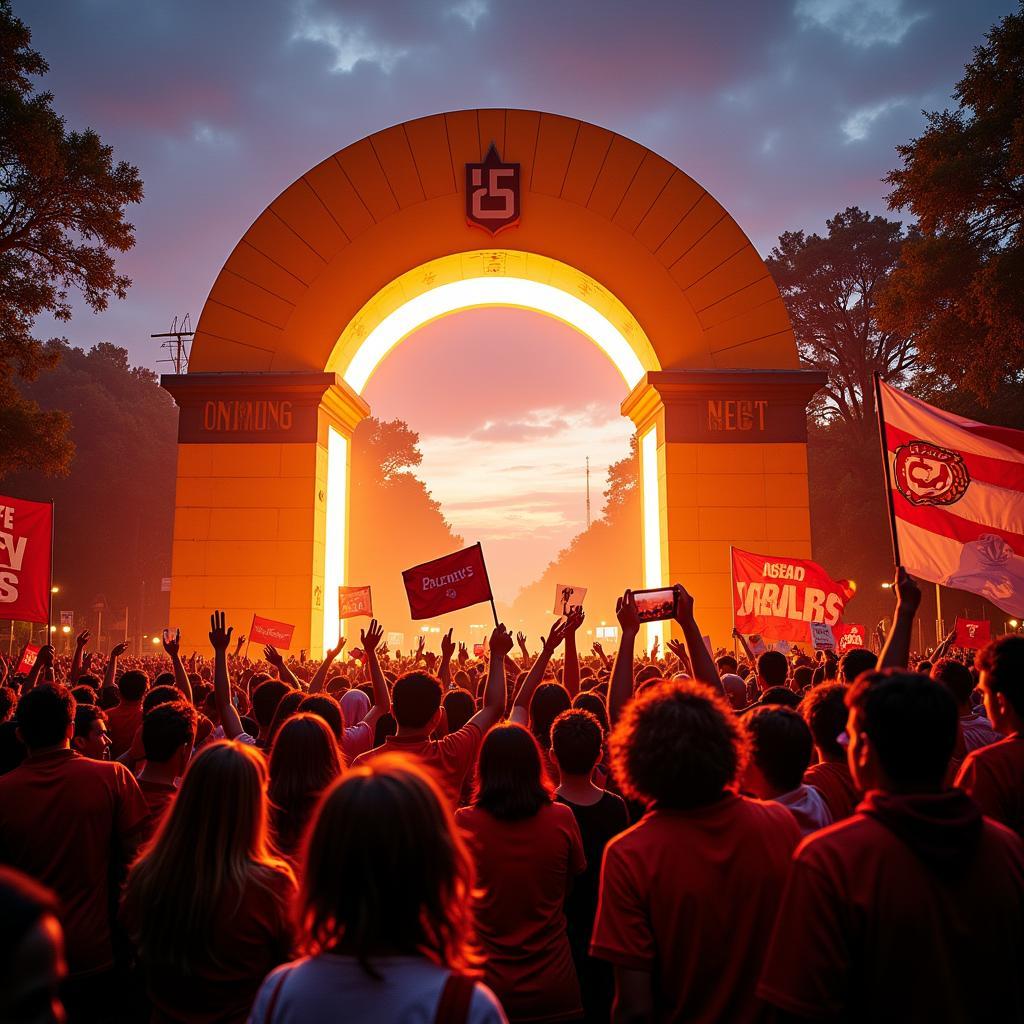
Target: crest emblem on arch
492,193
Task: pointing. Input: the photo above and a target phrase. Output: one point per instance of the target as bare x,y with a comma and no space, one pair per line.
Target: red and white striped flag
958,499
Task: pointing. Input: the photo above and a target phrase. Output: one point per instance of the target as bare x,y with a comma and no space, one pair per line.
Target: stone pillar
730,450
253,488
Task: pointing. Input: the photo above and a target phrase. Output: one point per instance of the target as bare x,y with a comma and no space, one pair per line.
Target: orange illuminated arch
374,241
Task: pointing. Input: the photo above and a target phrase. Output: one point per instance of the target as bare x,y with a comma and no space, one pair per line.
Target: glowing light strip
492,291
652,525
334,531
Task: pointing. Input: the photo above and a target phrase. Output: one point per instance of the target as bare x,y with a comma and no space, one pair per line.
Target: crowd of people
537,837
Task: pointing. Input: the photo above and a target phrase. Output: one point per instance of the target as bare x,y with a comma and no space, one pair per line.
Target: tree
394,522
960,286
830,286
114,511
62,206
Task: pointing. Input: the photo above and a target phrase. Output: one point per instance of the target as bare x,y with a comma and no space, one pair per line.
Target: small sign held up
822,637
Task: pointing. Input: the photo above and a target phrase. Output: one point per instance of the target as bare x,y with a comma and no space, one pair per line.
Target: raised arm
316,684
746,647
524,653
599,651
172,645
704,667
943,648
571,669
110,676
370,639
494,693
678,649
895,651
43,659
520,713
219,639
76,662
284,673
447,650
620,689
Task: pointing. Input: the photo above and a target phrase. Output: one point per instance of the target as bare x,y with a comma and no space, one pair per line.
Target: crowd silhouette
422,836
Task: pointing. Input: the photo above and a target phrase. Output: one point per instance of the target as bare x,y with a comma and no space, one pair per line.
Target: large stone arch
378,230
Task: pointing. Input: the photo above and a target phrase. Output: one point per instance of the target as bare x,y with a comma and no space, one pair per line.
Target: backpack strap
453,1006
272,1004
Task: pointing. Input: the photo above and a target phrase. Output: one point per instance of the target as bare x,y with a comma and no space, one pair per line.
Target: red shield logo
926,474
492,193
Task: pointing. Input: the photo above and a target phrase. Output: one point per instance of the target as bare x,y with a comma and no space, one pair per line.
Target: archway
385,235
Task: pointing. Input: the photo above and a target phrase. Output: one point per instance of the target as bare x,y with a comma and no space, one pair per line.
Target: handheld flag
447,584
267,631
956,492
353,601
973,633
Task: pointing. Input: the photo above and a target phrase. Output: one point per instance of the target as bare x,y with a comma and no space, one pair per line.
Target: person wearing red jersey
688,894
73,823
824,710
994,775
896,913
416,704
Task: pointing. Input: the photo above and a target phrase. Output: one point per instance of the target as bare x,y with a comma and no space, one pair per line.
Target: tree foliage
960,286
114,511
62,206
830,285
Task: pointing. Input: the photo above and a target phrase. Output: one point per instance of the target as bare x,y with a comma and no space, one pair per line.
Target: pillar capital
262,408
724,406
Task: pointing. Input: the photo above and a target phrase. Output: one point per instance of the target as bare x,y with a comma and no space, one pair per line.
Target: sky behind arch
785,110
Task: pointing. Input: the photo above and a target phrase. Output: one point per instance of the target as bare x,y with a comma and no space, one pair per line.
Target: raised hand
337,648
597,649
684,604
463,654
555,636
447,645
83,638
654,650
219,636
45,654
575,618
431,660
737,635
86,662
908,593
500,642
172,644
419,647
238,644
371,636
626,613
118,649
273,655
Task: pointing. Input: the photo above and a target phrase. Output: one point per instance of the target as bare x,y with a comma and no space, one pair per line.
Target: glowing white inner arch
492,291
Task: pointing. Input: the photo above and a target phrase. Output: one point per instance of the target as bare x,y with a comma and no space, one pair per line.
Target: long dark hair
304,761
511,784
386,871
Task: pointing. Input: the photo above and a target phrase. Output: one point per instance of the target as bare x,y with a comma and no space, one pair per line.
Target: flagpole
49,607
888,471
483,562
732,582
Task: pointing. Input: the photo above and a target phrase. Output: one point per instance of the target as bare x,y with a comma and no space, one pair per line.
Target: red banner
447,584
353,601
267,631
849,636
28,659
974,633
26,535
778,596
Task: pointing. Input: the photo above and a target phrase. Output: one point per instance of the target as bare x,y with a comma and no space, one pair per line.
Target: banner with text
267,631
849,635
447,584
28,659
778,596
973,633
26,535
353,601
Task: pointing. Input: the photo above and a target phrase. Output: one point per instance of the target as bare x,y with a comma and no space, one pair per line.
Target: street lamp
155,640
887,586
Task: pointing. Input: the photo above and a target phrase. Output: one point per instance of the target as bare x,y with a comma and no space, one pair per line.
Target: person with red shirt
897,913
124,719
91,738
824,710
527,851
207,904
994,775
168,736
688,894
416,705
73,823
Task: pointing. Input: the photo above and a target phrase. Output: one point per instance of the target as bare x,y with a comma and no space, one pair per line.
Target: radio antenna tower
175,344
588,492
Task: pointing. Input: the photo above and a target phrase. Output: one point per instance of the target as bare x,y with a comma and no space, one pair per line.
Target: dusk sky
785,110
